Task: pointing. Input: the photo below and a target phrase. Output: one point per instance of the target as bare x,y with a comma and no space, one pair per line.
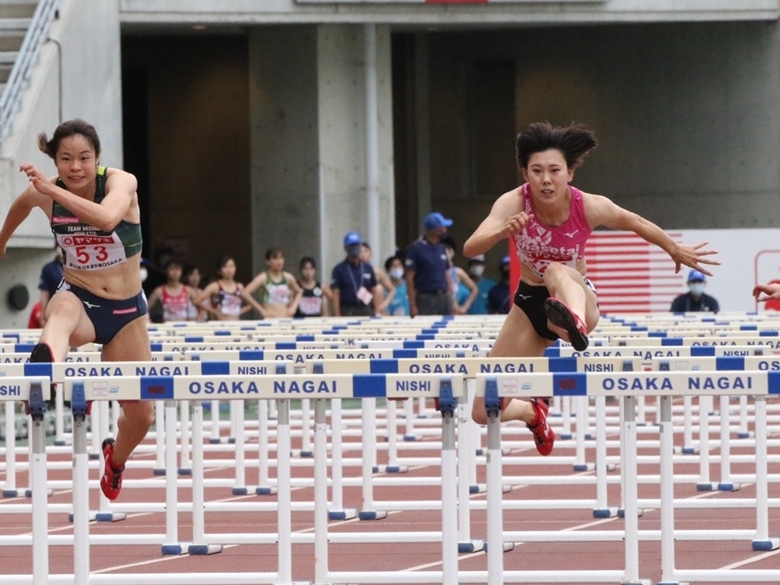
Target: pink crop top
539,245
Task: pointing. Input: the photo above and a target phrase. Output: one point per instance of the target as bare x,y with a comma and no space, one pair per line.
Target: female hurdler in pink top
549,222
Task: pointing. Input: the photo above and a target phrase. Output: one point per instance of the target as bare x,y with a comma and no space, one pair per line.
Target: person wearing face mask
354,287
695,300
476,270
428,280
399,304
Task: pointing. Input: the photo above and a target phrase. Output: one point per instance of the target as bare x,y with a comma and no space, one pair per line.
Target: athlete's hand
772,291
38,180
694,257
516,223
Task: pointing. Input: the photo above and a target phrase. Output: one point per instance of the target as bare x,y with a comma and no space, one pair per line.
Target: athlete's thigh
76,325
518,338
130,344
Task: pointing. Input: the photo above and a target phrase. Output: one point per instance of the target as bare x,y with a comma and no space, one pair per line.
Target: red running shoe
111,482
561,316
544,436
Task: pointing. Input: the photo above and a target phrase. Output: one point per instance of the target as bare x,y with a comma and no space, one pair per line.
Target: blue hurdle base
93,456
306,454
158,471
215,441
13,494
471,546
105,516
747,435
566,436
729,487
346,514
621,513
28,493
60,443
394,468
240,491
706,487
204,549
605,512
688,451
766,545
185,471
477,489
584,467
172,550
372,515
265,491
410,438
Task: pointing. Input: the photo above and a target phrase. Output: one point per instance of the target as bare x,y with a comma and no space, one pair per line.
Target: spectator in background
173,298
428,281
695,300
356,292
51,276
399,304
279,290
388,288
192,279
476,270
228,299
498,300
464,290
314,295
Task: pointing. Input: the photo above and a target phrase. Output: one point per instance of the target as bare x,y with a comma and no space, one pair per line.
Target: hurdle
759,384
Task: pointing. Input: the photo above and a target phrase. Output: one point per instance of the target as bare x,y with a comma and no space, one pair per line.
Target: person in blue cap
353,285
428,280
695,300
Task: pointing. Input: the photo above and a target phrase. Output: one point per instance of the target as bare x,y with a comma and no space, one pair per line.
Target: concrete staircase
15,19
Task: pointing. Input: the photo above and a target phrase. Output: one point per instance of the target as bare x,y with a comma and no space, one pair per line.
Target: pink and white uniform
538,245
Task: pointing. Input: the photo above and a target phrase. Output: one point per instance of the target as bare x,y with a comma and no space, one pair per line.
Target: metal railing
18,80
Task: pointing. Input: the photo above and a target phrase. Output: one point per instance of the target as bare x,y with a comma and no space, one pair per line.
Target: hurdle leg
667,493
466,460
159,438
81,549
392,440
762,542
320,493
449,500
725,484
9,489
263,479
744,432
337,511
215,423
199,546
96,452
185,466
38,479
409,416
631,513
602,509
239,485
688,448
369,457
306,450
704,484
59,418
580,463
172,546
495,535
566,433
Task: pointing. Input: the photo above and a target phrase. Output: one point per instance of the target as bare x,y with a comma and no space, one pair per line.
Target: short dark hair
65,130
574,141
307,260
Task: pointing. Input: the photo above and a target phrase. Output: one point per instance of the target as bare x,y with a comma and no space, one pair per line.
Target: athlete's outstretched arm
602,211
